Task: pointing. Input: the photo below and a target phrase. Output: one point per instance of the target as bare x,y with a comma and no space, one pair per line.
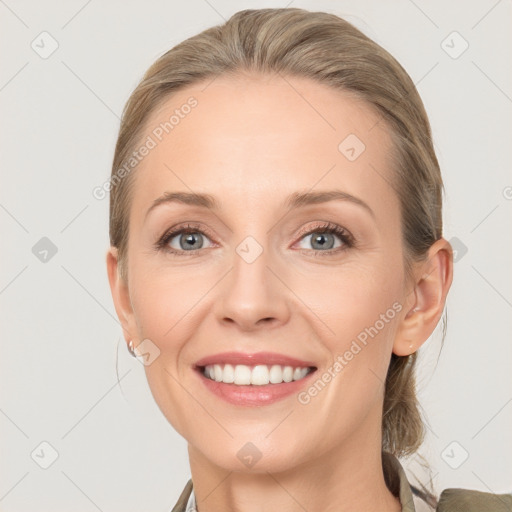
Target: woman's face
258,272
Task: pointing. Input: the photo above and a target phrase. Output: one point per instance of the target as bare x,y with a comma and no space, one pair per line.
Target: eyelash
328,227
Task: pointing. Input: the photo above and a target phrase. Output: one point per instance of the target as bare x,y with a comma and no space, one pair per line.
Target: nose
253,295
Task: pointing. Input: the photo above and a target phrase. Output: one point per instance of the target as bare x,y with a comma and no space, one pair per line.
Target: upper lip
268,358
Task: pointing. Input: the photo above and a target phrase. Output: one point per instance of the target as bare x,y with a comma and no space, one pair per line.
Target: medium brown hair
328,49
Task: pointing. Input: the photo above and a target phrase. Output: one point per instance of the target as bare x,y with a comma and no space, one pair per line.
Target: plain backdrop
72,437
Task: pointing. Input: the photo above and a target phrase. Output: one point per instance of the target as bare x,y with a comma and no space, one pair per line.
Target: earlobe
431,286
120,294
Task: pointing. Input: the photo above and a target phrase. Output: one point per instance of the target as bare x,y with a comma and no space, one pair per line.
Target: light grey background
60,336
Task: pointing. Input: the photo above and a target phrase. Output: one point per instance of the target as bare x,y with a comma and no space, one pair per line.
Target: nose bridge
250,265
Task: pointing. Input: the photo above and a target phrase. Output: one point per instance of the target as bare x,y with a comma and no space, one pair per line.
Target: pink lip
253,395
268,358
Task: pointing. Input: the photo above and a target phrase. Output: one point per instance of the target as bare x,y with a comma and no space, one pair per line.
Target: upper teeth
258,375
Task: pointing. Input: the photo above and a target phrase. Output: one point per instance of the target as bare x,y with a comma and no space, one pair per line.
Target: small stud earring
130,348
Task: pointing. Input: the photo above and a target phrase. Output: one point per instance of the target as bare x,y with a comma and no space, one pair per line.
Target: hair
330,51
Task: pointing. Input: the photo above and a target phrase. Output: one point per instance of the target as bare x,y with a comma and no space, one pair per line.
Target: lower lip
253,395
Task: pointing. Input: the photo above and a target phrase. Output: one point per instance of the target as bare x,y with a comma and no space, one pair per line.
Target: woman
277,260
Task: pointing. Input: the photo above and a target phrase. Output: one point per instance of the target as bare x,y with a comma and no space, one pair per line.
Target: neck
346,478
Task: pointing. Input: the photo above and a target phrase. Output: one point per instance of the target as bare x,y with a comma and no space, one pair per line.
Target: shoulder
467,500
450,500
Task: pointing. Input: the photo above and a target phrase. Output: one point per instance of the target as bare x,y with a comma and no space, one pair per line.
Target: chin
253,457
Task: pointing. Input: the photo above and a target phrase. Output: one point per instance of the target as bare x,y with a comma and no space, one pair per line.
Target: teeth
242,375
258,375
228,374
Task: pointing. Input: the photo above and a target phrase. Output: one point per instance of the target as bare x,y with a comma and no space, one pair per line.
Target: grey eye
319,241
187,241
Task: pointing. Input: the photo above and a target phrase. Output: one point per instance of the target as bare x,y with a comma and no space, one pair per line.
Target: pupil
321,239
189,240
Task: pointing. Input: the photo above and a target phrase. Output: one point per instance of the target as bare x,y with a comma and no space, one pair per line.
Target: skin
250,142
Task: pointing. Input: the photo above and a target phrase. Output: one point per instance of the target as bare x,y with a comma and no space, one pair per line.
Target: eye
323,238
183,239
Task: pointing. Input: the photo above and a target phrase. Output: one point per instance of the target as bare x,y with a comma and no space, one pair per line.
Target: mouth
258,375
253,379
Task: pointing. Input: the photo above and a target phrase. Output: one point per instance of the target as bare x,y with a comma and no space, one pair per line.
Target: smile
259,375
253,379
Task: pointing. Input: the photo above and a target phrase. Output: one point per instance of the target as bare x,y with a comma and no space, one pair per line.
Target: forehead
252,138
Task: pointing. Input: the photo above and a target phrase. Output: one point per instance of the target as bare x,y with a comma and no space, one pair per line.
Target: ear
121,296
425,302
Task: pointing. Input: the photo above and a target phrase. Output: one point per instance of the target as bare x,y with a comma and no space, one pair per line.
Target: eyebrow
293,201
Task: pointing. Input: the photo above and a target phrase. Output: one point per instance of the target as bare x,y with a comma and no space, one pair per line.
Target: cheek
348,299
356,313
165,298
166,305
357,310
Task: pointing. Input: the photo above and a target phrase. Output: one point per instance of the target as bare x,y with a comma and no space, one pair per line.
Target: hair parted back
328,49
